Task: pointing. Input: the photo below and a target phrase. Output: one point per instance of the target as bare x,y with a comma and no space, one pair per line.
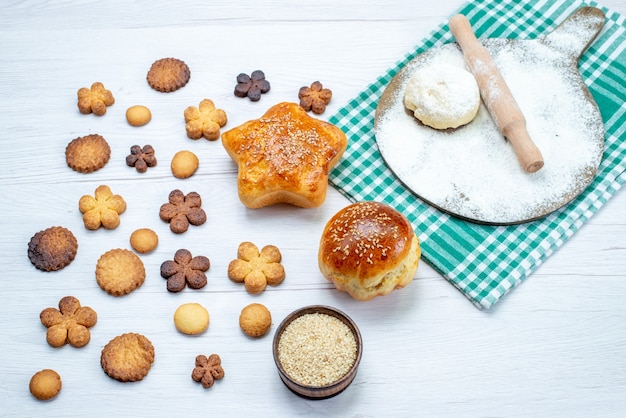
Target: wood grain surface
554,347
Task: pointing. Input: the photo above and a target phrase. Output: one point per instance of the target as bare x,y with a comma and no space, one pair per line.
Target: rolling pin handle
496,95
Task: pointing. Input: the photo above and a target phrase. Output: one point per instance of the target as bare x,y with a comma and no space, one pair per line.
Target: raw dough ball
443,96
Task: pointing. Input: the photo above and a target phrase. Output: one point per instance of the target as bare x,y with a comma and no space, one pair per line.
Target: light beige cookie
138,115
127,357
45,384
120,271
255,320
184,164
144,240
191,318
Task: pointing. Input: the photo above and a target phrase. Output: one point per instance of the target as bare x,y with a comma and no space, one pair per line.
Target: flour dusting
472,171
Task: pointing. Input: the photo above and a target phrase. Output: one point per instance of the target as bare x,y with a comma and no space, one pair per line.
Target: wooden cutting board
472,172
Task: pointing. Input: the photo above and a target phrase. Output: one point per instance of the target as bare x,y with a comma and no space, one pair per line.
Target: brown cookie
168,74
182,210
120,271
87,154
45,384
52,249
127,357
207,370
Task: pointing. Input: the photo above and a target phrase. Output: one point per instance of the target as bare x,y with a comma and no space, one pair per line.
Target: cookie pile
128,357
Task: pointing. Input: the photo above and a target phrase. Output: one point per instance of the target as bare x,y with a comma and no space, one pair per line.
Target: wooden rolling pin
496,95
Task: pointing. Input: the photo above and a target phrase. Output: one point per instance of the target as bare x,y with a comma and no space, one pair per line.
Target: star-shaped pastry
284,157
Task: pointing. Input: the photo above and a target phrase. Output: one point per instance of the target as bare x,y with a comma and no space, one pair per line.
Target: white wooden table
556,346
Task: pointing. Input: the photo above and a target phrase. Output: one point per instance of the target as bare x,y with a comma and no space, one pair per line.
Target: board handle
577,32
496,95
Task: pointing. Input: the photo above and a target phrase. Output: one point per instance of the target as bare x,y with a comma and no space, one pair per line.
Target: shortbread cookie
102,209
204,120
184,164
127,357
119,272
94,99
255,320
168,74
443,96
87,154
144,240
68,324
52,249
191,318
45,384
138,115
256,269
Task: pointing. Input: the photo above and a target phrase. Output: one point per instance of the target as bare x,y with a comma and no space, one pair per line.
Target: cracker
127,357
52,249
45,384
168,74
255,320
119,272
87,154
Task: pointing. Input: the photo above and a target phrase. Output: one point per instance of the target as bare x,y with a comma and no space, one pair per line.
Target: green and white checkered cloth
486,262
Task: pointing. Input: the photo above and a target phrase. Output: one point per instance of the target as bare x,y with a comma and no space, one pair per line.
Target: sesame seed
317,349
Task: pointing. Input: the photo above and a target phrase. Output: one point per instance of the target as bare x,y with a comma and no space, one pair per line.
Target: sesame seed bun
368,249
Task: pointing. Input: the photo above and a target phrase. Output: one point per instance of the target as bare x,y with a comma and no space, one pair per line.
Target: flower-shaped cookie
185,269
95,99
182,210
284,157
315,98
257,269
141,158
204,120
102,210
68,324
252,86
207,370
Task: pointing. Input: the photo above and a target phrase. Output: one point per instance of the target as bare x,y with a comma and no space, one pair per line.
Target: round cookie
144,240
443,96
87,154
184,164
127,357
119,272
168,74
45,384
191,318
138,115
255,320
52,249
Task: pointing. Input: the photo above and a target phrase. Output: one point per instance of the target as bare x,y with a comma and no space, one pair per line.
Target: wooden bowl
325,391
